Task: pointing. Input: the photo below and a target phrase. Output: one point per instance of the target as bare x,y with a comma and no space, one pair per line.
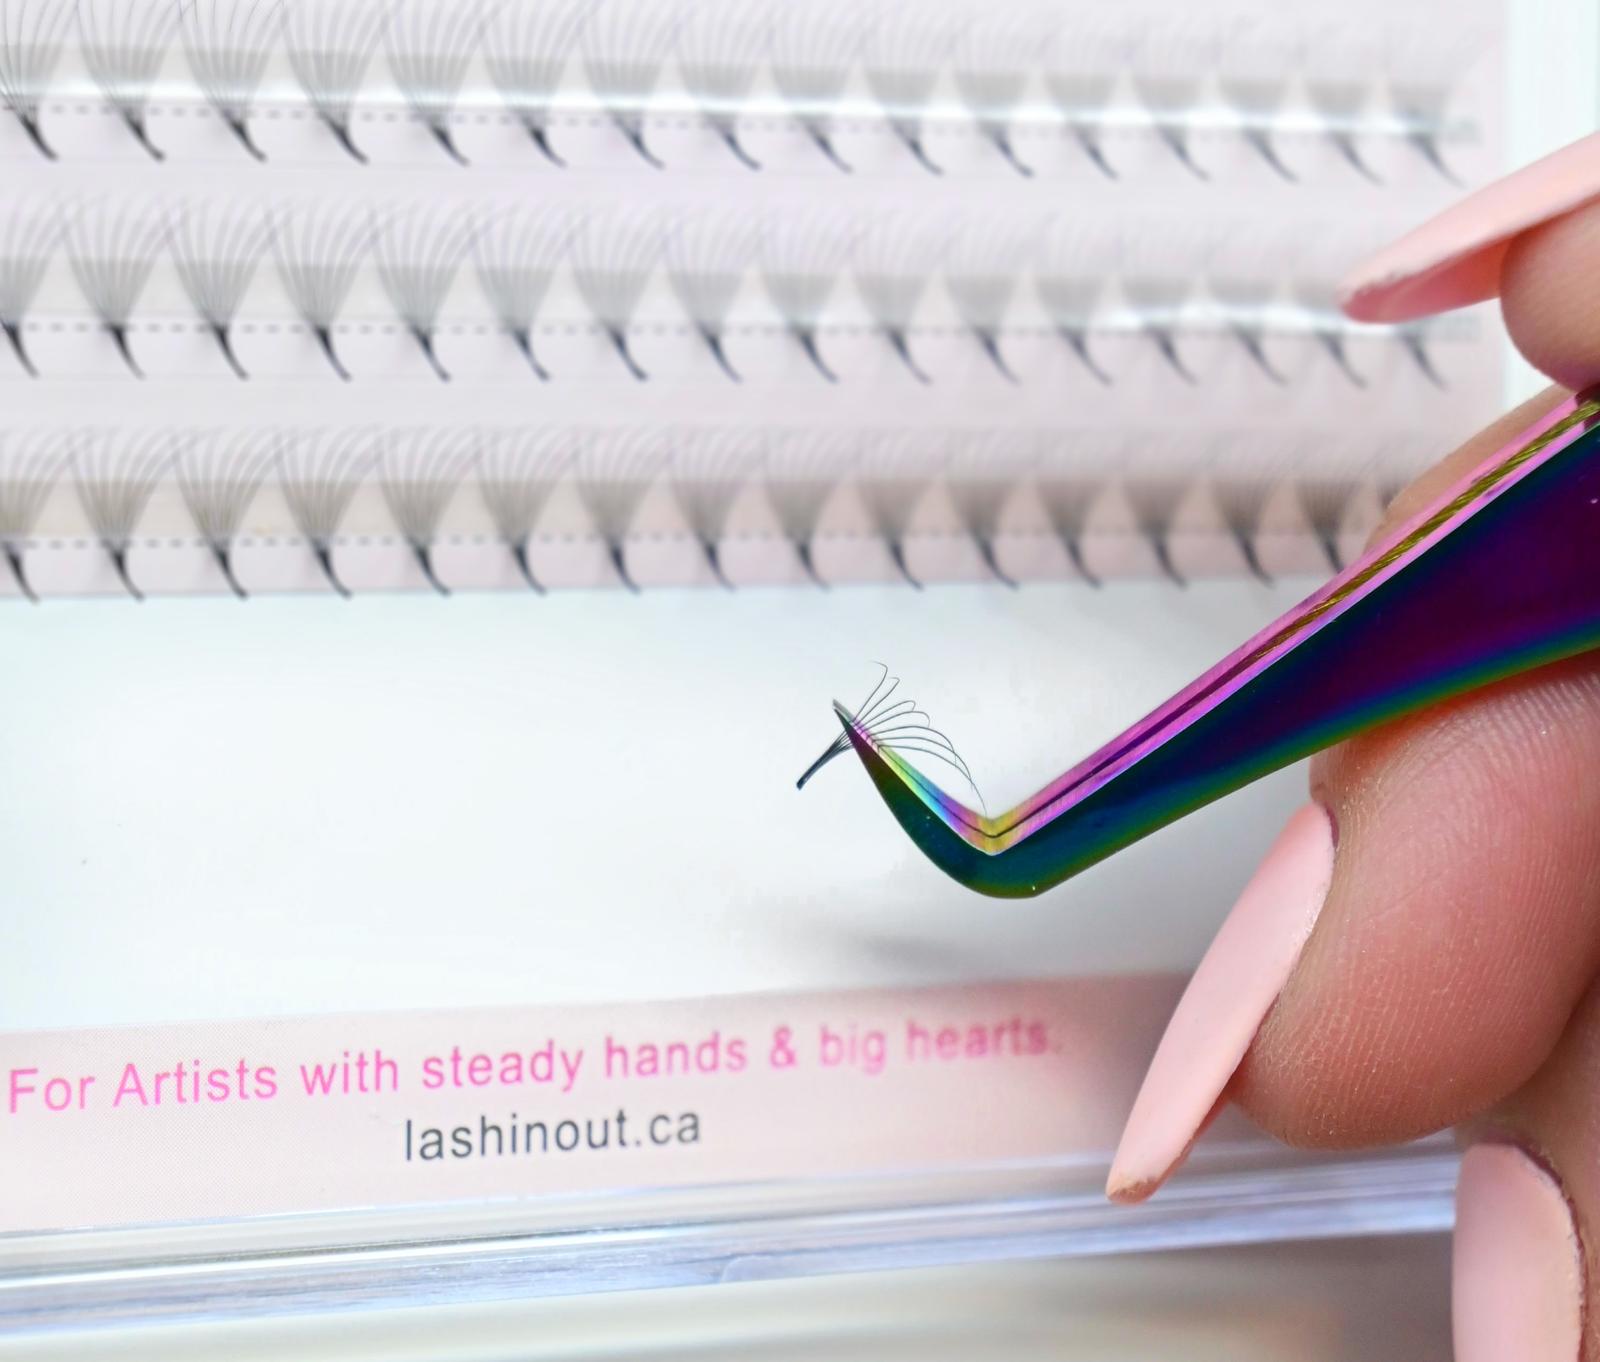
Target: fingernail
1517,1278
1242,973
1454,259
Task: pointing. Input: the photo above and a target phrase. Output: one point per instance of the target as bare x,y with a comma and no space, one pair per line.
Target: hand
1421,947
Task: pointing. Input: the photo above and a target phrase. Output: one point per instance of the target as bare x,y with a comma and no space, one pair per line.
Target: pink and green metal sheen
1501,574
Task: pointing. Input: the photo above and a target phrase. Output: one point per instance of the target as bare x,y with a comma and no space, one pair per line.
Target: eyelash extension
228,44
614,472
706,260
1424,64
1073,262
1241,496
719,52
981,277
219,474
27,241
320,472
1156,500
29,471
897,725
123,46
1314,295
330,44
811,52
1068,497
625,50
32,34
418,253
803,470
901,59
517,255
216,249
1413,340
525,47
1082,64
1338,59
1257,59
1324,503
894,259
802,257
1157,286
613,256
981,480
993,60
430,44
112,254
418,472
1169,68
1242,274
709,469
897,472
116,476
518,472
318,251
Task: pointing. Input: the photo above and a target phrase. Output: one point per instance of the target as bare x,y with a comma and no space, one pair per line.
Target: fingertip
1547,285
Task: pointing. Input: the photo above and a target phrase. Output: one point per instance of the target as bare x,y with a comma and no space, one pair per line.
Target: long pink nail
1220,1012
1454,259
1518,1278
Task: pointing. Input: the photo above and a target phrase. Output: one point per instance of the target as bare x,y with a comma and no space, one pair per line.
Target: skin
1453,978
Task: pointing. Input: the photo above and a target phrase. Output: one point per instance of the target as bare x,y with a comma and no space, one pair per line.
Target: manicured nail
1517,1289
1454,259
1220,1012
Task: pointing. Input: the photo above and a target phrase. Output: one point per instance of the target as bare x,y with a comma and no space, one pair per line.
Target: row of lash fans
1258,286
507,480
1257,71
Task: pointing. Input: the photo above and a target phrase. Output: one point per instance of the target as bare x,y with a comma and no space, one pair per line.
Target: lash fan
614,471
706,261
894,260
123,46
1257,63
1170,64
330,45
1338,61
517,254
116,475
1082,65
812,49
27,242
29,471
32,34
981,277
1069,276
897,725
896,472
803,469
613,256
901,59
228,44
419,472
1156,499
625,50
216,250
1495,577
802,258
218,480
526,47
112,255
430,44
318,252
418,253
993,60
982,478
1068,494
518,472
709,470
320,472
719,53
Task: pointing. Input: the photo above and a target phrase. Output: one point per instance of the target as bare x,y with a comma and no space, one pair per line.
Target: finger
1528,1209
1410,954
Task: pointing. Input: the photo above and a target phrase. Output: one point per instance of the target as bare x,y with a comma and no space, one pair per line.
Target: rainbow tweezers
1500,575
